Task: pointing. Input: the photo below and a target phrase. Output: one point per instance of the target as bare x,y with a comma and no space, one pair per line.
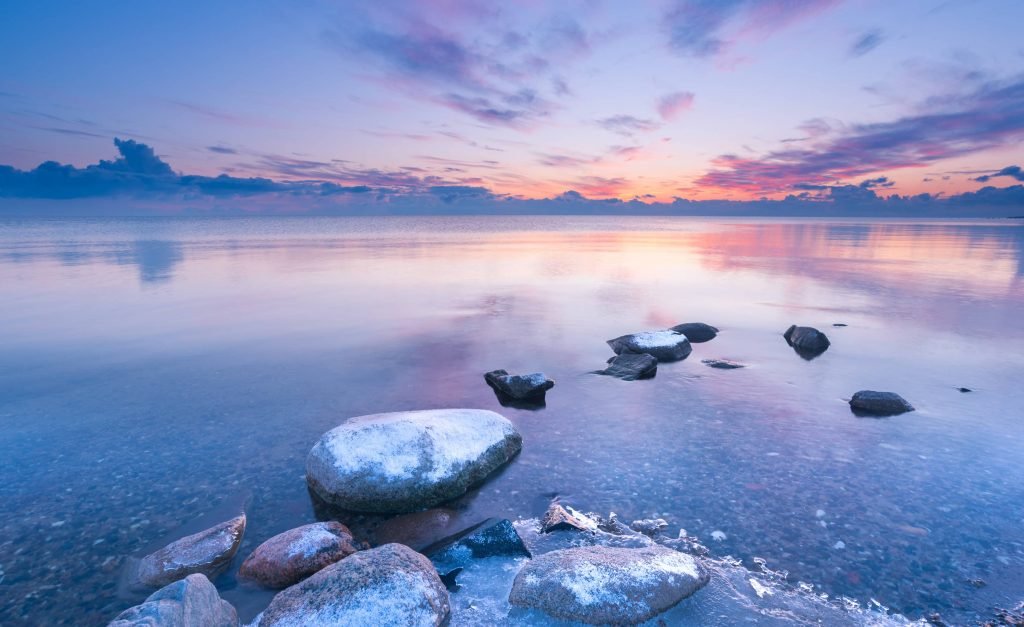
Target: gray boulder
662,345
208,552
631,366
808,342
290,557
696,332
512,389
601,585
874,403
189,602
388,585
406,461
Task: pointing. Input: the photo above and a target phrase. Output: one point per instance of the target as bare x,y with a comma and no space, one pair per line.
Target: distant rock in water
808,342
631,366
965,390
189,602
519,389
722,364
406,461
839,324
662,345
558,518
602,585
874,403
696,332
490,538
290,557
388,585
208,552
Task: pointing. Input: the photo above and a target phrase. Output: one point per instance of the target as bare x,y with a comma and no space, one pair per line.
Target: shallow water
157,374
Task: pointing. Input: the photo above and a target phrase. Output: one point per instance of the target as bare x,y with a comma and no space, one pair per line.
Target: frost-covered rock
490,538
808,342
405,461
519,388
696,332
631,366
559,518
879,403
662,345
388,585
208,552
290,557
722,364
189,602
600,585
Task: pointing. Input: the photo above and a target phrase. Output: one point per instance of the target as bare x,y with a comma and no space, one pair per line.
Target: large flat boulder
208,552
189,602
406,461
290,557
602,585
388,585
662,345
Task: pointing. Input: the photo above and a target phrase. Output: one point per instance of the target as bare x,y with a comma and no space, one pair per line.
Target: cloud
705,28
670,106
952,126
881,181
866,42
223,150
1012,171
627,124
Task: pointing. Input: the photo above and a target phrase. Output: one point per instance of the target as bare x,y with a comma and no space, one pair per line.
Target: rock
490,538
405,461
388,585
208,552
419,529
839,324
631,366
558,518
649,526
290,557
808,342
696,332
662,345
600,585
965,390
512,389
722,364
879,403
189,602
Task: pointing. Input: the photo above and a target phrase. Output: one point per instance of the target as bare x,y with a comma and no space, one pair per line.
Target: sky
309,105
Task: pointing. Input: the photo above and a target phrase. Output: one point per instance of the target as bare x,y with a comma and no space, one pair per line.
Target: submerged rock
600,585
405,461
208,552
189,602
419,529
722,364
519,388
808,342
490,538
559,518
879,403
662,345
631,366
696,332
290,557
388,585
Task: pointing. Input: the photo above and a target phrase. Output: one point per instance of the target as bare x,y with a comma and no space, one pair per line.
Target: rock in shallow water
600,585
808,342
879,403
519,388
558,518
490,538
388,585
290,557
189,602
208,552
722,364
696,332
662,345
405,461
631,366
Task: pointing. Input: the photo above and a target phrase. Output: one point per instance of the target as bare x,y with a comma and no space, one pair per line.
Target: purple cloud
627,124
1013,171
670,106
866,42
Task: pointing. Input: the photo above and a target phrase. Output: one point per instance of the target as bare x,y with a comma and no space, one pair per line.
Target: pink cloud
671,106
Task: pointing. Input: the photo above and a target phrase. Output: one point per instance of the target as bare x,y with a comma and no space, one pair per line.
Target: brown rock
290,557
208,552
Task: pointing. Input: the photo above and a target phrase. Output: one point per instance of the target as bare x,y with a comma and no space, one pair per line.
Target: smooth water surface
156,374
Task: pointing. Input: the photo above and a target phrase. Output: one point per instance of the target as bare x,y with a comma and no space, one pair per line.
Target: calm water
156,374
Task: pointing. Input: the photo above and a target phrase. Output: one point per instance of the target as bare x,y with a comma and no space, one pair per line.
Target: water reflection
155,259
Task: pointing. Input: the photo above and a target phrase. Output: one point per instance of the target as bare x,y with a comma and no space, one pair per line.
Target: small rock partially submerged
490,538
879,403
208,552
722,364
388,585
405,461
662,345
600,585
696,332
189,602
808,342
519,388
631,366
559,518
290,557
